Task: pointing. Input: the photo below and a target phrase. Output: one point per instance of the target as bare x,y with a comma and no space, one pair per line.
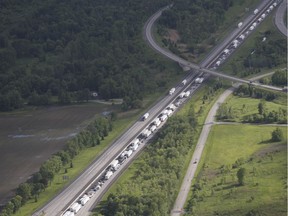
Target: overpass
150,39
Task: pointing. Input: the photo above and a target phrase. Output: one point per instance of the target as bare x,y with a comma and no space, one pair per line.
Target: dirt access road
29,138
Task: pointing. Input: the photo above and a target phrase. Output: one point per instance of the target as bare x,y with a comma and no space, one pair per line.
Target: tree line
64,49
61,161
153,187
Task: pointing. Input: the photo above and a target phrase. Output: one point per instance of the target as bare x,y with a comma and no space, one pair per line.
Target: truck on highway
256,11
171,91
199,79
184,82
114,163
75,207
157,122
69,213
108,175
84,200
182,94
163,118
187,94
171,107
145,116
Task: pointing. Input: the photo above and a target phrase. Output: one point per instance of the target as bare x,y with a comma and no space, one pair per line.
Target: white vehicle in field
240,24
256,11
171,91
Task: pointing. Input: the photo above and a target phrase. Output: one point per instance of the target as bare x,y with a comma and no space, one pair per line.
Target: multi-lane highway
72,192
59,203
211,58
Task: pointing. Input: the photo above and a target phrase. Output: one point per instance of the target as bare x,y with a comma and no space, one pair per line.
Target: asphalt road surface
279,17
149,37
209,122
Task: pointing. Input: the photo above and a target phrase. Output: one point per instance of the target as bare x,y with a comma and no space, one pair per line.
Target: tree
261,108
277,135
241,176
17,202
24,190
9,207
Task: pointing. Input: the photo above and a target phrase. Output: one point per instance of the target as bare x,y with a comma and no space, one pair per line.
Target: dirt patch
173,35
270,149
29,138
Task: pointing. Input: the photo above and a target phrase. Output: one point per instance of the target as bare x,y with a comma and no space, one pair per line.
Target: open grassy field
244,106
216,190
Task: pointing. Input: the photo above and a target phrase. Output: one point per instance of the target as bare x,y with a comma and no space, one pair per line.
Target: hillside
59,52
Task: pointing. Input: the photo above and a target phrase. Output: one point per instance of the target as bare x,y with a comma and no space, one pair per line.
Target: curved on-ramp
279,17
150,39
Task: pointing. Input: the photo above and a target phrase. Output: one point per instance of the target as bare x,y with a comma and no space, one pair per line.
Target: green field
216,190
244,106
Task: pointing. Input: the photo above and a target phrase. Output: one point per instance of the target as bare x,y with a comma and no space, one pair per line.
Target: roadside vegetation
265,50
243,173
192,28
248,105
151,184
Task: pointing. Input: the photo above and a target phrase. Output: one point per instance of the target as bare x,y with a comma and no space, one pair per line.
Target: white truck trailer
184,82
187,94
108,175
171,91
163,118
114,163
145,116
69,213
75,207
157,122
182,94
84,200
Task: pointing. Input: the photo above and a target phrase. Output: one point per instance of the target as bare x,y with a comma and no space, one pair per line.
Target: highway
150,39
279,18
72,192
209,122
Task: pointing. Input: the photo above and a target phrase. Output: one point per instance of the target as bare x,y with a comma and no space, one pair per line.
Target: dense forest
53,51
195,21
